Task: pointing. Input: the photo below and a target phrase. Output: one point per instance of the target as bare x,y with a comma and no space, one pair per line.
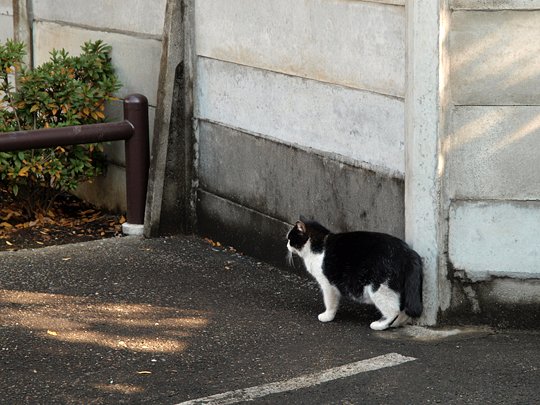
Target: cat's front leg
331,296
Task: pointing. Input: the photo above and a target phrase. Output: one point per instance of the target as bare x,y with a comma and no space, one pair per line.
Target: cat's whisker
290,259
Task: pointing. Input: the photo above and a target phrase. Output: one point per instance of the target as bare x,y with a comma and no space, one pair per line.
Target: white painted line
305,381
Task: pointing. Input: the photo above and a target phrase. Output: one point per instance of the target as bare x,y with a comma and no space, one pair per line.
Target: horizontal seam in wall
208,190
494,10
482,276
375,92
384,3
98,29
241,205
496,105
324,155
494,200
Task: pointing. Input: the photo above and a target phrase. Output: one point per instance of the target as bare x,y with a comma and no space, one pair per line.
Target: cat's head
306,235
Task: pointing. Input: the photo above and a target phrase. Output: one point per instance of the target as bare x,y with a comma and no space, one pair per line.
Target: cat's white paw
326,317
379,325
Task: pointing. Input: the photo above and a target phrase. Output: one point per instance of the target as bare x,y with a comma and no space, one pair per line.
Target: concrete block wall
492,182
134,30
300,110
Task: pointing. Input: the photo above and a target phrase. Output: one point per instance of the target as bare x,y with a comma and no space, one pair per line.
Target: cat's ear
300,226
303,219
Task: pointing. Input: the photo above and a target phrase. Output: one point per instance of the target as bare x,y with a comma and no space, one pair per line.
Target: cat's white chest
313,263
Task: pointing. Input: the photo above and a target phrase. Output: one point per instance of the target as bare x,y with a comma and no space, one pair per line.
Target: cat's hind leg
331,297
387,302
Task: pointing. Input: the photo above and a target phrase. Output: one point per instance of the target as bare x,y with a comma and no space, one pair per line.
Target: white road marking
305,381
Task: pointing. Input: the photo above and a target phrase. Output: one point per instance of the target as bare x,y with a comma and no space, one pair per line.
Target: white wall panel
493,153
137,60
361,126
6,27
495,238
495,58
6,20
353,43
141,16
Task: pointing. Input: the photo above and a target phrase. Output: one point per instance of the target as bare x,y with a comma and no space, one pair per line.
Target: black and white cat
369,267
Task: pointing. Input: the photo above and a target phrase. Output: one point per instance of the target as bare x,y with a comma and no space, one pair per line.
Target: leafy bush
66,90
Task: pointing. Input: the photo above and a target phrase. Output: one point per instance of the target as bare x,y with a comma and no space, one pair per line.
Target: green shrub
66,90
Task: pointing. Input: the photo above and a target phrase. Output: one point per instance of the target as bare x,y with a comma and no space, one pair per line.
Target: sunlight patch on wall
529,128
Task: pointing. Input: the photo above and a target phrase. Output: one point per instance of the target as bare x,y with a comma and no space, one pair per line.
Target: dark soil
70,220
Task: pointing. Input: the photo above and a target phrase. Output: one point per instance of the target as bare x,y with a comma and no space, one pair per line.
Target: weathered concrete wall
494,57
300,110
285,181
363,127
356,48
492,153
134,30
135,17
496,238
491,165
313,39
6,20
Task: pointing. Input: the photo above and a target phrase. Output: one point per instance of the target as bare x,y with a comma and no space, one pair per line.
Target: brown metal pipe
134,130
52,137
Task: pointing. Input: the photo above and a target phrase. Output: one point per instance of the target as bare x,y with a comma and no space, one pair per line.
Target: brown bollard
137,162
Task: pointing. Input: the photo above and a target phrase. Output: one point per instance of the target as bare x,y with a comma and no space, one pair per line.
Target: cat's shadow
349,313
353,313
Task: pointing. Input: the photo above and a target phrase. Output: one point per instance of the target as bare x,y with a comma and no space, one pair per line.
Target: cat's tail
412,297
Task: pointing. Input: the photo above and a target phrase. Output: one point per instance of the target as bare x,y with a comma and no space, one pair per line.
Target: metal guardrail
133,130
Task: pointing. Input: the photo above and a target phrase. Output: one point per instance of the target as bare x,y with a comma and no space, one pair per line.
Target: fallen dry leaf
213,243
69,218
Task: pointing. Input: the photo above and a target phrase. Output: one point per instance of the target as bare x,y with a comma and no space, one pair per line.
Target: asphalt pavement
177,320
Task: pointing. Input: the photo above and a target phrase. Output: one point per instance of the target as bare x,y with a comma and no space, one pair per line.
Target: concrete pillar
22,27
170,200
424,128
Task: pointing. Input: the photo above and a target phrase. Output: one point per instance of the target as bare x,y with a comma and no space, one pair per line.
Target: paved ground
165,321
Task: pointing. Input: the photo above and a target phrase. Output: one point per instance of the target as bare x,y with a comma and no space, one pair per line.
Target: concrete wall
492,182
134,30
300,109
6,20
